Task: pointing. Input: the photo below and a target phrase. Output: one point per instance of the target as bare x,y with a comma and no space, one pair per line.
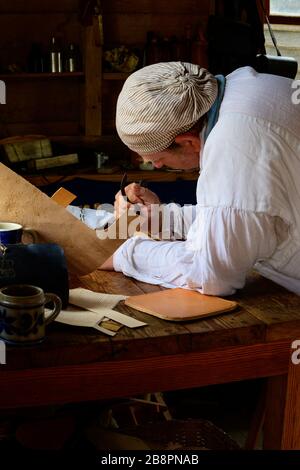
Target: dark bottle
165,50
72,59
152,50
175,49
36,59
187,43
55,56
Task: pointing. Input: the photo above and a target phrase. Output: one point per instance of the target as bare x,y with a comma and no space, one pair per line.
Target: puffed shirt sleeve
177,220
222,245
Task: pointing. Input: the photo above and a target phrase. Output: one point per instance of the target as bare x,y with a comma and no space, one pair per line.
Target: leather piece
179,304
63,197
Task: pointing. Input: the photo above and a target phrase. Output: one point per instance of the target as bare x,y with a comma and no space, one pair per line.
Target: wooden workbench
79,364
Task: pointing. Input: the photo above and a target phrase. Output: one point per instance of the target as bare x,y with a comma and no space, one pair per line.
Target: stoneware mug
22,313
11,233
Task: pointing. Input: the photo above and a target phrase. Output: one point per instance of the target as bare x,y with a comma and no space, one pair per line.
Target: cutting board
179,304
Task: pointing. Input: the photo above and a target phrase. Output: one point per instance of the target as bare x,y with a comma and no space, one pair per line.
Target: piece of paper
93,218
123,319
102,303
90,300
77,317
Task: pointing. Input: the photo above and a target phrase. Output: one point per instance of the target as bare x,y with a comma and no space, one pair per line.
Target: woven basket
183,434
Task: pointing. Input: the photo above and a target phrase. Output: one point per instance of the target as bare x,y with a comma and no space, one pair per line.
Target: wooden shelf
67,103
55,175
40,76
115,76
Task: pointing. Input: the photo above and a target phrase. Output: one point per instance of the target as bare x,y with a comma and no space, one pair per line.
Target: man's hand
135,194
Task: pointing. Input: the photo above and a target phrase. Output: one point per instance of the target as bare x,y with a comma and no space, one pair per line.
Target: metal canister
101,158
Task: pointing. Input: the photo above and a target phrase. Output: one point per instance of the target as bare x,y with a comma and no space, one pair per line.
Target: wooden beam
111,379
291,429
93,77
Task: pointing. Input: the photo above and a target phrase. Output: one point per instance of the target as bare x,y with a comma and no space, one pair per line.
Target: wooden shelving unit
128,22
52,104
91,174
40,76
81,103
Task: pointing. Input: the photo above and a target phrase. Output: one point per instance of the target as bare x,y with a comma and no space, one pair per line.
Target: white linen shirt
248,198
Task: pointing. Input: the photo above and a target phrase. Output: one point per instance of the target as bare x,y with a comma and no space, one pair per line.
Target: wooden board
24,148
23,203
180,304
93,74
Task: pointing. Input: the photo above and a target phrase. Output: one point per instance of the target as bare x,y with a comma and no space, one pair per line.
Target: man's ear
189,139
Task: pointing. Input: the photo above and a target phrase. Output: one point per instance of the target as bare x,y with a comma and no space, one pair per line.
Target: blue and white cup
11,233
22,313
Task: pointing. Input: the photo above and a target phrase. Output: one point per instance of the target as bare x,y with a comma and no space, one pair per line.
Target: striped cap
161,101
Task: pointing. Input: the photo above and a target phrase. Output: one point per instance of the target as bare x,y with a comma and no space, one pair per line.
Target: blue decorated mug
22,313
11,233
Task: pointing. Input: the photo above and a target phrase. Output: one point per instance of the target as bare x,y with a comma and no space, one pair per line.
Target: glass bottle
165,50
35,59
55,57
152,50
72,59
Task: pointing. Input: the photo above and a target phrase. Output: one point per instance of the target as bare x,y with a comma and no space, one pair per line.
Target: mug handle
57,307
32,233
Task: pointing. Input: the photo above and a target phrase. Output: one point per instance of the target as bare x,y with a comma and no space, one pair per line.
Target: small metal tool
124,184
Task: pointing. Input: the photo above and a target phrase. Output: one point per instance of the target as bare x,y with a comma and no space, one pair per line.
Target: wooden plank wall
128,21
46,106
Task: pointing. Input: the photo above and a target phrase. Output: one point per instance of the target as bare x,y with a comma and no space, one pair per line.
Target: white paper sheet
79,317
93,218
93,300
102,304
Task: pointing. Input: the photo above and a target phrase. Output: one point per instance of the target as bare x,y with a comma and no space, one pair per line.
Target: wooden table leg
291,425
257,420
276,393
282,421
